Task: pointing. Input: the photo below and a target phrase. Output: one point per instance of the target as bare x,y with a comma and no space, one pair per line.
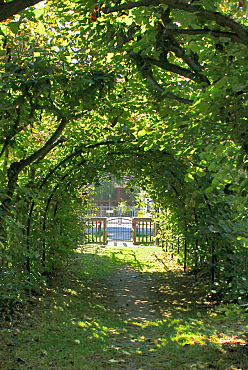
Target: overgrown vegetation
152,90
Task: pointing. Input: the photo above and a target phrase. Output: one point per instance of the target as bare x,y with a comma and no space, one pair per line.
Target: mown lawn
74,325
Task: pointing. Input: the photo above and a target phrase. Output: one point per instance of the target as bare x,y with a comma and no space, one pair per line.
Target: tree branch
202,31
16,167
149,76
180,53
220,19
75,154
164,64
45,149
167,94
167,66
144,67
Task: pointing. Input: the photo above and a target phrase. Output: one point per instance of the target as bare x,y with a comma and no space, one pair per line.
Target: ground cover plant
76,323
152,90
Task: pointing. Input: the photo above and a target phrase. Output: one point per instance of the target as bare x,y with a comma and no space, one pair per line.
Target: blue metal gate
119,228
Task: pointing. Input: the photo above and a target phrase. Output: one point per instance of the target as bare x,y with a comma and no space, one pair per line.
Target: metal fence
139,230
119,228
120,211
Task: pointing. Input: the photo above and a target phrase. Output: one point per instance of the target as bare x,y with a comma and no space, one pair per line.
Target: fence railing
95,230
109,211
142,229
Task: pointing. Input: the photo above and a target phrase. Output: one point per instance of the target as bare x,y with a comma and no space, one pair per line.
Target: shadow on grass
78,324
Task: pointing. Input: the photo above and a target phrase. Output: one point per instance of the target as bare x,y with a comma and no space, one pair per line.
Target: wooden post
105,231
134,231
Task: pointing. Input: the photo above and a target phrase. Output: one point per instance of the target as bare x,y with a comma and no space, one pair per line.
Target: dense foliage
152,89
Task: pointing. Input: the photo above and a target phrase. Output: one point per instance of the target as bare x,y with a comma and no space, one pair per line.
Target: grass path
123,309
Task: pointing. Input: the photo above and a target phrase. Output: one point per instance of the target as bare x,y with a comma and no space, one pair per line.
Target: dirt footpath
129,291
129,294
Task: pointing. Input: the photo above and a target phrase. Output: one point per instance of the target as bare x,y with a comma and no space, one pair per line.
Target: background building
113,195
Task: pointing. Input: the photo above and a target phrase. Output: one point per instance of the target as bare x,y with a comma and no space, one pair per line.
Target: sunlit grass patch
75,326
143,258
190,338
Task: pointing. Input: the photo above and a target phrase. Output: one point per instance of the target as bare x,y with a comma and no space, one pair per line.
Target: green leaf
127,20
41,29
141,133
38,12
109,57
209,190
14,26
189,177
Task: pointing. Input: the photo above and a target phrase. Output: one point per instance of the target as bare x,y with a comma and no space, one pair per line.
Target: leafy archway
148,88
